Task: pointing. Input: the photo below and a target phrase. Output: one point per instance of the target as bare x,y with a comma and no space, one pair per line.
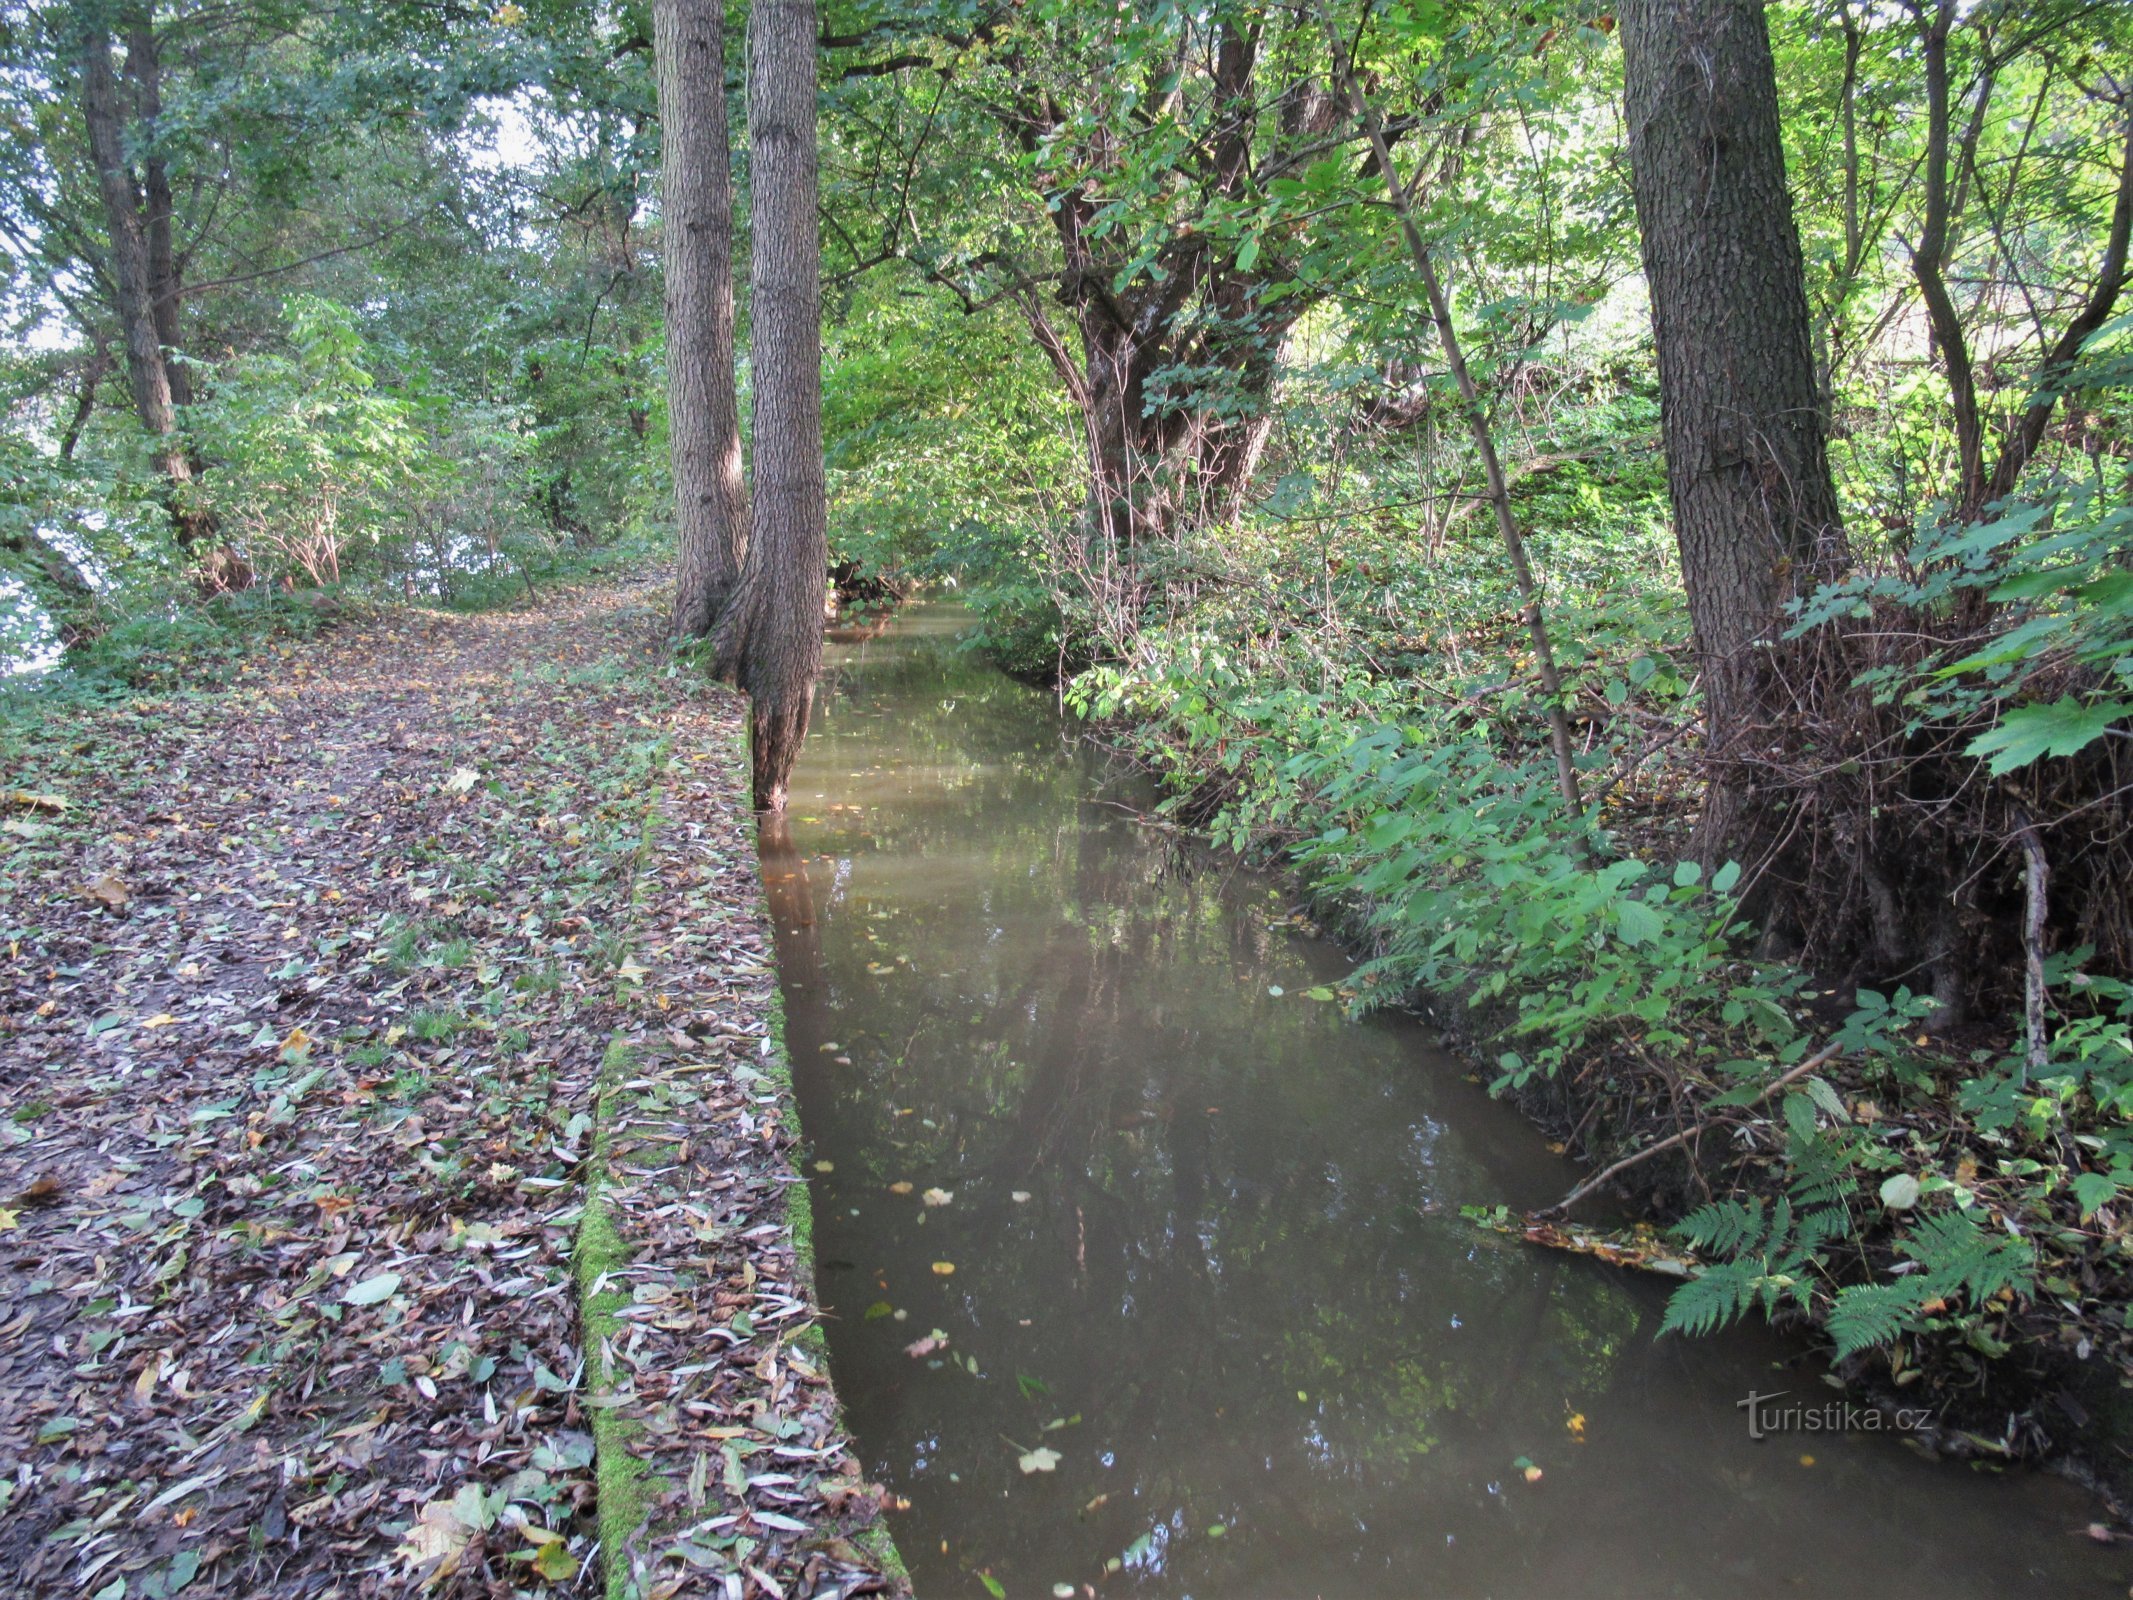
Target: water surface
1205,1242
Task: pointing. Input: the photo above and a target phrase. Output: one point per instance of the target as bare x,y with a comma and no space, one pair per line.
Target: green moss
624,1483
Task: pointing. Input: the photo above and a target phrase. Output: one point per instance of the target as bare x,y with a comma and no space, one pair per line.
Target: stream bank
394,1145
1144,1265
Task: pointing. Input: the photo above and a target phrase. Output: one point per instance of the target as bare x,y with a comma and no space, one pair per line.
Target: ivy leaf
2063,728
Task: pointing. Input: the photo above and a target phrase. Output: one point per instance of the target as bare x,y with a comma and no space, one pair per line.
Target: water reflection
1098,1176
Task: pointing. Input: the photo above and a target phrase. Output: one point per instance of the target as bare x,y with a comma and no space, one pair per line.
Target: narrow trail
393,1147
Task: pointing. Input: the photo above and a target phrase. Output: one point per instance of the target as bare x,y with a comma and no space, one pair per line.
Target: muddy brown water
1205,1239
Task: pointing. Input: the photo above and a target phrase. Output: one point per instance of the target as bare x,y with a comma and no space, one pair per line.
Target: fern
1961,1257
1707,1303
1872,1313
1724,1226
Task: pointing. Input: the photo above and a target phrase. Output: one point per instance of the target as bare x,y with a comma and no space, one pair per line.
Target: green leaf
1900,1192
2094,1190
993,1586
1638,922
371,1290
2063,728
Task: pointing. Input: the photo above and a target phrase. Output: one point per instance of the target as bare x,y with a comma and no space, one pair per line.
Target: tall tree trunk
146,372
1755,511
144,71
770,638
703,410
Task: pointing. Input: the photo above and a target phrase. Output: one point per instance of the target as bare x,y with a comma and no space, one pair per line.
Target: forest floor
395,1179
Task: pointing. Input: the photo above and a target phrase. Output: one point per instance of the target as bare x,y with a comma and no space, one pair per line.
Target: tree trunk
770,637
1755,511
703,411
148,375
144,71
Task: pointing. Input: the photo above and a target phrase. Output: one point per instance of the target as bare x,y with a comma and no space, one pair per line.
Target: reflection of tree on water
1209,1231
1239,1262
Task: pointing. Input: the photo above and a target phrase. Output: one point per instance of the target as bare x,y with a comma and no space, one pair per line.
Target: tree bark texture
1755,510
770,637
147,373
696,211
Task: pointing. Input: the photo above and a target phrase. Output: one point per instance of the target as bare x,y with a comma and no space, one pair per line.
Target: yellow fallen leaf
943,1268
30,801
9,1219
162,1019
899,1188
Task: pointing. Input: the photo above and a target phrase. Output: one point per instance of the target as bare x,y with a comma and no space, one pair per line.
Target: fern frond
1869,1314
1707,1303
1724,1227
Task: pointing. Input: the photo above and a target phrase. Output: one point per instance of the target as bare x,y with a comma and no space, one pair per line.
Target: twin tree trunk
696,208
1755,509
769,639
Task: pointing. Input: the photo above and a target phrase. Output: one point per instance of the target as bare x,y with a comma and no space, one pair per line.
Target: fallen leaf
1041,1459
371,1290
943,1268
900,1188
937,1197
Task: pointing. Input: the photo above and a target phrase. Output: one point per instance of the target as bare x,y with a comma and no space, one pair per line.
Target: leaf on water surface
901,1188
936,1340
1039,1460
993,1586
937,1197
1020,1197
876,1311
1275,990
944,1269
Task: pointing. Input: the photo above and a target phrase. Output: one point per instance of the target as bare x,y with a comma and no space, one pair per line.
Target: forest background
1161,335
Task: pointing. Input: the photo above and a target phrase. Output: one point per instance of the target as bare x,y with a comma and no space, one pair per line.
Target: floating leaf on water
1275,990
937,1197
825,1166
1039,1460
993,1586
876,1311
900,1188
1216,1530
944,1269
1020,1197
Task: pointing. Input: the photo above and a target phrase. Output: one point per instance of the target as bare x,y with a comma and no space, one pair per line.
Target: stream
1165,1227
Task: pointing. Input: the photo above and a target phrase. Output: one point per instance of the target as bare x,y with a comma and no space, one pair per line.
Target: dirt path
393,1161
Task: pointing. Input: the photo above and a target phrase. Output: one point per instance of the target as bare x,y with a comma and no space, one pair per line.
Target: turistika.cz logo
1768,1414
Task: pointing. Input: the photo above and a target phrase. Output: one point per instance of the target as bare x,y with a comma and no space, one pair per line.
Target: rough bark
147,373
770,637
1755,510
166,289
696,210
